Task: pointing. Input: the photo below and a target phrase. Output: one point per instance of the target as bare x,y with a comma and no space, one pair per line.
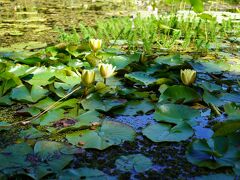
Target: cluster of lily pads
70,91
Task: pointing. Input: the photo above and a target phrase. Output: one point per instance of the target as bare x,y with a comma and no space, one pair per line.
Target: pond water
31,20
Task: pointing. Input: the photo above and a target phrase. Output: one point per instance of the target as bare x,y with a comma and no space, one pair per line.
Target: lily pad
179,93
174,113
47,148
227,127
133,162
31,133
164,132
21,93
82,173
14,156
213,153
171,60
94,102
141,78
134,107
108,134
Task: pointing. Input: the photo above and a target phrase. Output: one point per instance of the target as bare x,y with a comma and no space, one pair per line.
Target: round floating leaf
41,76
21,93
213,153
141,78
94,102
227,127
179,93
31,133
47,148
170,60
210,86
59,163
164,132
135,107
174,113
82,173
232,110
120,61
50,117
14,156
209,98
137,162
110,133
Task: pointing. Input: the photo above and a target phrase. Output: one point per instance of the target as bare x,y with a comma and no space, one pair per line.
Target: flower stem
105,81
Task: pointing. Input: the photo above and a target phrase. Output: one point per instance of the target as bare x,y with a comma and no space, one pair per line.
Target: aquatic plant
188,76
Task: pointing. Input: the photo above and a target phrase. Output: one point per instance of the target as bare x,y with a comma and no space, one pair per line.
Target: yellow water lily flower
106,70
88,77
188,76
95,44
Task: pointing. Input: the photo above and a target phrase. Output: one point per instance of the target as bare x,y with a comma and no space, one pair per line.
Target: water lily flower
88,77
106,70
188,76
95,44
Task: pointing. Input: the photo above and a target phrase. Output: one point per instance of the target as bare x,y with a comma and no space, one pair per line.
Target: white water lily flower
95,44
188,76
106,70
88,77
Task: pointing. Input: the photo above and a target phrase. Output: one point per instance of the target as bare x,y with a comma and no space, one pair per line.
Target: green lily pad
41,76
134,107
232,110
179,93
84,121
136,162
82,173
46,149
213,153
14,156
141,78
31,133
108,134
210,98
171,60
50,117
164,132
21,93
210,86
5,100
174,113
227,127
94,102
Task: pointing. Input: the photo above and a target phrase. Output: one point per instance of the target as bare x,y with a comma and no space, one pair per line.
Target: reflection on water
31,20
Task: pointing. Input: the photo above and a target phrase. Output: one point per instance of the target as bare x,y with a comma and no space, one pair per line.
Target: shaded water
34,20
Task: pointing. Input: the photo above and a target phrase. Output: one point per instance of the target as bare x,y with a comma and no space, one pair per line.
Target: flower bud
188,76
88,76
106,70
95,44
